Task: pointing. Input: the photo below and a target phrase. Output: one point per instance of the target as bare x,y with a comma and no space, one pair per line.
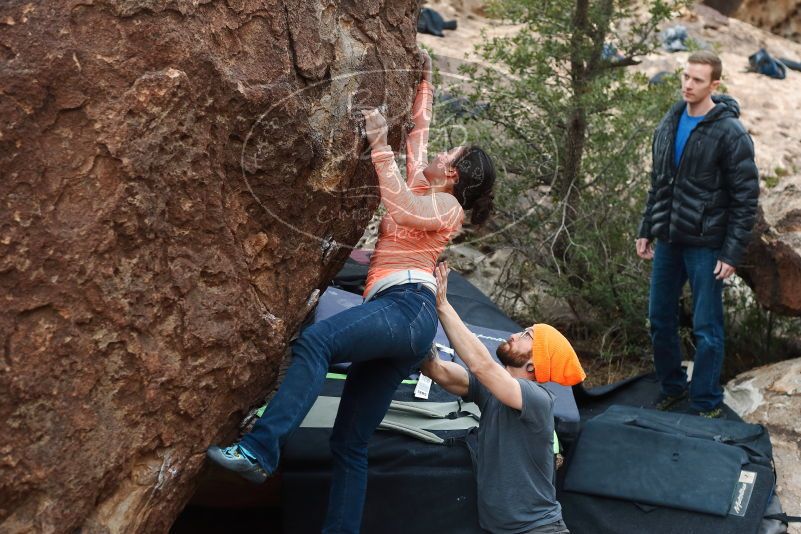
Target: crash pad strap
784,518
437,410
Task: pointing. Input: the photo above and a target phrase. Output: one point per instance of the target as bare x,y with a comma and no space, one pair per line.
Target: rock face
772,266
725,7
771,395
782,17
177,179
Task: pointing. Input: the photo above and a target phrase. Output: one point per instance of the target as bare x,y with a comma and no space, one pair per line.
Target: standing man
700,211
515,460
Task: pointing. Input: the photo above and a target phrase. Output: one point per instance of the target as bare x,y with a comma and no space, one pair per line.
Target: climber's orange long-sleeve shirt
418,224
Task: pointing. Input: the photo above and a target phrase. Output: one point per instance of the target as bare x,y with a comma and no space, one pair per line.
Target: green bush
755,336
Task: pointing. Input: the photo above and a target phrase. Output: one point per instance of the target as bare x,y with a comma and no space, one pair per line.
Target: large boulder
772,265
725,7
771,395
178,179
777,16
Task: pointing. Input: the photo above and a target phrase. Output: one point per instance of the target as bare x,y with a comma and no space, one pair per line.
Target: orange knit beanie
554,358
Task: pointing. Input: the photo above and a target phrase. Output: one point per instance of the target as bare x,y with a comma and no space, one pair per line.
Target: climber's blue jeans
673,266
384,339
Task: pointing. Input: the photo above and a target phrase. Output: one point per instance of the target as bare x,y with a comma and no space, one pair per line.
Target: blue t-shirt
686,126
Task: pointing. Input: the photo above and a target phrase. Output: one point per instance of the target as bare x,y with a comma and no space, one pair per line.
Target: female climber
392,331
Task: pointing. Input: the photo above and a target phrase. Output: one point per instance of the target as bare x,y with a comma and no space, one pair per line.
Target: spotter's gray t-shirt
515,462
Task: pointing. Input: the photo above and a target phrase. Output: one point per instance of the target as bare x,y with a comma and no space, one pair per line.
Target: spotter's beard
509,359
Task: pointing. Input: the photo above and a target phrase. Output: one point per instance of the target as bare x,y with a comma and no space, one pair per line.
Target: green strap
340,376
555,443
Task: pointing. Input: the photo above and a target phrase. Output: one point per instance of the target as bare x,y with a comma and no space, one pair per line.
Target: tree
571,122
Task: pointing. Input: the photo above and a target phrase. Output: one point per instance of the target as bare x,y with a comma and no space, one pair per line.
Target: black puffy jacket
710,200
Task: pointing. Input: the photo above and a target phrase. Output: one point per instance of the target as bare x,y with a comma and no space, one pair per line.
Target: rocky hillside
782,17
771,110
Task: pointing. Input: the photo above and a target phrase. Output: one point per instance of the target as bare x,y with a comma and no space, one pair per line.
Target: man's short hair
705,57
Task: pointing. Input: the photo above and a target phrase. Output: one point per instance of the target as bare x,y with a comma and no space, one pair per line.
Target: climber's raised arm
427,212
417,139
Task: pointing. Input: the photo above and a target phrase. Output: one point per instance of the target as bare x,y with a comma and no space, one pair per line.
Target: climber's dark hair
476,180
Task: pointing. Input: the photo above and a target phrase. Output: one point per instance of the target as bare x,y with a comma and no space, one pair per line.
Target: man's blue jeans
673,266
383,339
